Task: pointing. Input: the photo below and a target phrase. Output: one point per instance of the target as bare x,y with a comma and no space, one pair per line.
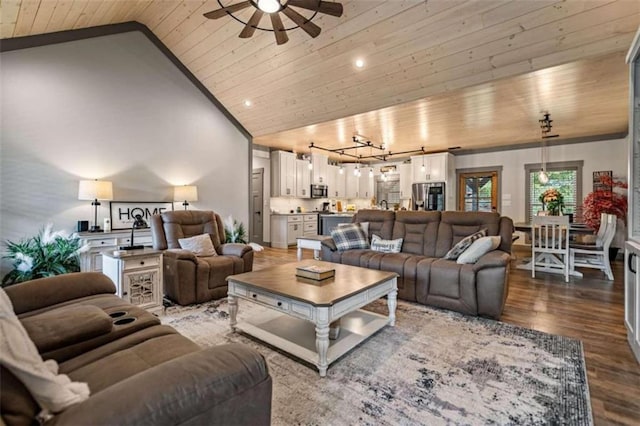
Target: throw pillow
385,246
200,245
54,392
363,225
464,244
349,237
479,248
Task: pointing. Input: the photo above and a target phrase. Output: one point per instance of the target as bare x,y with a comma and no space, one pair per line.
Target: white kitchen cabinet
319,172
365,184
303,179
341,183
406,180
632,252
632,296
336,183
285,229
351,181
438,167
309,224
283,174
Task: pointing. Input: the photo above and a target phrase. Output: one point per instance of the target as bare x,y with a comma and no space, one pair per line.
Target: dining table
543,258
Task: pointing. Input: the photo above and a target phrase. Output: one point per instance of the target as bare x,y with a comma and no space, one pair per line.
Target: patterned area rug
435,367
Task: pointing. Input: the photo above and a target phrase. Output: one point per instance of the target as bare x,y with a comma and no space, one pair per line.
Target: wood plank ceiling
437,74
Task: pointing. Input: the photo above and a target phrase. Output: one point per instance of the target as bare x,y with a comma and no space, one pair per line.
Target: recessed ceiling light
247,103
359,63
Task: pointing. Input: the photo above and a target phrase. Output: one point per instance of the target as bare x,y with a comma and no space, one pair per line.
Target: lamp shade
95,190
185,193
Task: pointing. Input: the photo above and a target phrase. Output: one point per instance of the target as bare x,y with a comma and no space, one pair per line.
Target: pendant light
341,169
310,165
423,169
370,172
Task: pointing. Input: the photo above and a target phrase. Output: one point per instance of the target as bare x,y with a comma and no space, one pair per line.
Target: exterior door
478,192
257,204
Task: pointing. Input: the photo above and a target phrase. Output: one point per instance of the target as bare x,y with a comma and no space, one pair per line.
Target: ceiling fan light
269,6
543,177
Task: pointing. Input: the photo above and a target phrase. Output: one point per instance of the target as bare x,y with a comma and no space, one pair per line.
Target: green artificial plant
48,253
234,231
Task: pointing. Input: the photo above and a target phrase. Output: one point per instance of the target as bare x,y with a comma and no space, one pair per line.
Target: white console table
137,275
99,242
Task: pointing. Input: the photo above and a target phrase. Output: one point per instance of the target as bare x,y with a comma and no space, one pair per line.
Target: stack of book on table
315,272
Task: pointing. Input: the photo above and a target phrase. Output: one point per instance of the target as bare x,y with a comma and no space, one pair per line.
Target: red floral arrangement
605,201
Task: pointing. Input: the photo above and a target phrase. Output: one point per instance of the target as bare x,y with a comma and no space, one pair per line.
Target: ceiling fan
273,9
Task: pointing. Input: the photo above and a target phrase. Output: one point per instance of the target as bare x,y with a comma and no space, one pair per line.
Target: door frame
478,170
259,171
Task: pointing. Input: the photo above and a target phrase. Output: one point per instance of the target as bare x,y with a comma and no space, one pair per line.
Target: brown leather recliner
189,279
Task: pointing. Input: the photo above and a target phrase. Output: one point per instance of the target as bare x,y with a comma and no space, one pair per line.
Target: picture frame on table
122,213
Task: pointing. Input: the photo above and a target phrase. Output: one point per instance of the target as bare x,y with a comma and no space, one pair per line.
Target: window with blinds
565,177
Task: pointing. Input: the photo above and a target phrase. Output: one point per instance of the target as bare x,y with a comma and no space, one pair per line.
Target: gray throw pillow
200,245
464,244
349,237
385,246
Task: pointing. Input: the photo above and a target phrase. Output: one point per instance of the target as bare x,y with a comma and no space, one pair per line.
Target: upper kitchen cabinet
437,167
303,179
336,182
351,181
283,174
365,184
406,179
320,169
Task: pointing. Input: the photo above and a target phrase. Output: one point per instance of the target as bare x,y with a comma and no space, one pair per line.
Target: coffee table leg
322,345
233,311
392,302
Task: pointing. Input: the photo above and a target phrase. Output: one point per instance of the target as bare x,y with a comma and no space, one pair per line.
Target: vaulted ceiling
436,73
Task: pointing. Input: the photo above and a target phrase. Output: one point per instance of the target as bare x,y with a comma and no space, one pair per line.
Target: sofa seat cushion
129,361
64,326
404,264
216,269
102,301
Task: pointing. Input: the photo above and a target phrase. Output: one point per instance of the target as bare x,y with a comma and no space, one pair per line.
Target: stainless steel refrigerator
428,196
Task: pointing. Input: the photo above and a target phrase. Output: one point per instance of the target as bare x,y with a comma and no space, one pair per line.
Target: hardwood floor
590,309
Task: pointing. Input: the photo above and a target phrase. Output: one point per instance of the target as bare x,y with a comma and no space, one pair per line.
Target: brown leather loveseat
424,276
190,279
139,372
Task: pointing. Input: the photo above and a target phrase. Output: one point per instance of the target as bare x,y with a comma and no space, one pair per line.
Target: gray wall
112,108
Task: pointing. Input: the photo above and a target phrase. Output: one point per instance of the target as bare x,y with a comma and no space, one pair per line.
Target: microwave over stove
319,191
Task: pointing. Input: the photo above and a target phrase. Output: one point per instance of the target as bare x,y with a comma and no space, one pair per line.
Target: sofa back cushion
454,226
419,231
380,222
168,227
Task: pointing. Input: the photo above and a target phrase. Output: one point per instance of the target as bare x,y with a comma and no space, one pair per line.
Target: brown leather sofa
424,277
139,372
189,279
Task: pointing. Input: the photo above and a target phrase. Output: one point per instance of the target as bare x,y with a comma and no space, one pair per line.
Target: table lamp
185,193
138,223
95,190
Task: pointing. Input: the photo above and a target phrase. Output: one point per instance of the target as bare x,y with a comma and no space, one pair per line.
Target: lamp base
130,247
95,228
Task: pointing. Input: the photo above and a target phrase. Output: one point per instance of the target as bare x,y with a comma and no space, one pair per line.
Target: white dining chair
550,244
596,256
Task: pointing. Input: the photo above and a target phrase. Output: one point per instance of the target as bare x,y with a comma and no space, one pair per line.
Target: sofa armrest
180,254
197,388
234,249
329,243
495,258
43,292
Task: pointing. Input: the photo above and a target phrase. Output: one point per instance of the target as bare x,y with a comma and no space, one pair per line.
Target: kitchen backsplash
285,204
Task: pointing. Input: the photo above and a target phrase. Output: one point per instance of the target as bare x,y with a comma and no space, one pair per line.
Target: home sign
123,213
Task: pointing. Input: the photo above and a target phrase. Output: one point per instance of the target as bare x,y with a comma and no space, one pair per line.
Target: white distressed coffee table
301,310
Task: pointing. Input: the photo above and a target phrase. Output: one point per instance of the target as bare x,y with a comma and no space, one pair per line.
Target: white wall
604,155
112,108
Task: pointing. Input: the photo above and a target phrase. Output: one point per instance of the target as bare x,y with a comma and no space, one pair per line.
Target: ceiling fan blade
250,28
309,27
219,13
326,7
278,29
